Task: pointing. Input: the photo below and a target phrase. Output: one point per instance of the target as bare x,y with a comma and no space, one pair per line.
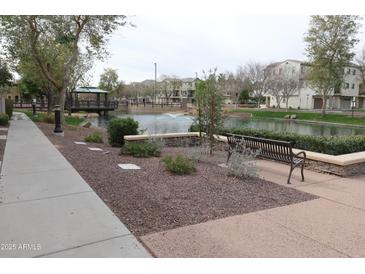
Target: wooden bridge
76,101
91,105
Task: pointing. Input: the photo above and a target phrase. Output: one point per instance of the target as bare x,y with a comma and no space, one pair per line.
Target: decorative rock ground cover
151,199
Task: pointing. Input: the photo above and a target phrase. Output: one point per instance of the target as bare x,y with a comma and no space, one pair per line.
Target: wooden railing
94,104
81,104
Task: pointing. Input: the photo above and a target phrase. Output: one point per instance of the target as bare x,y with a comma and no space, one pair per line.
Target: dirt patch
152,199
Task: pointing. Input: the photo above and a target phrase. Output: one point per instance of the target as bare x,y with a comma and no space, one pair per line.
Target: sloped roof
188,79
306,63
89,90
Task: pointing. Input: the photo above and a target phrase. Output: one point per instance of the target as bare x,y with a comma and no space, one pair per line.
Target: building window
347,85
348,71
354,72
353,86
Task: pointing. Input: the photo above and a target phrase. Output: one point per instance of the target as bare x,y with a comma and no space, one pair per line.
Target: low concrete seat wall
343,165
170,139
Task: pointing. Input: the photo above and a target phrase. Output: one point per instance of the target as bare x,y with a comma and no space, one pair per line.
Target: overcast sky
184,44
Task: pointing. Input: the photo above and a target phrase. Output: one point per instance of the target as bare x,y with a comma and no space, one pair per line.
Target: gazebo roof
89,90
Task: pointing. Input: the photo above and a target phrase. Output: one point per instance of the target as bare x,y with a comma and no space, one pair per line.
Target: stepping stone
223,165
95,149
80,143
128,166
3,129
2,137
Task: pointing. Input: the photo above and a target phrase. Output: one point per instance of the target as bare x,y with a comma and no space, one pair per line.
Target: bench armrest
301,152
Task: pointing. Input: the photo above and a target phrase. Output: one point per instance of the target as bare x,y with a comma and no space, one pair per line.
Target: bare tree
282,85
256,74
169,85
232,84
360,61
175,83
289,85
274,88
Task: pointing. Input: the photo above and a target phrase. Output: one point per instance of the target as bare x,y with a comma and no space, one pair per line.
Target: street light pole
154,88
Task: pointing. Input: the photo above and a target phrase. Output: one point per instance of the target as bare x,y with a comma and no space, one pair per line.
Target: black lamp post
57,117
34,105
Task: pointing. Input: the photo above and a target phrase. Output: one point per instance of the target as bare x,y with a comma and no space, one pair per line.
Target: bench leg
301,171
290,172
229,156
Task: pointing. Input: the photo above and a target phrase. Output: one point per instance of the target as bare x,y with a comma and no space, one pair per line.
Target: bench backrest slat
268,148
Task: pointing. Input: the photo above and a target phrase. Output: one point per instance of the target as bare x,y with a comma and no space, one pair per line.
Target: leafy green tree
58,38
244,96
199,97
32,83
109,80
5,75
6,78
330,41
210,103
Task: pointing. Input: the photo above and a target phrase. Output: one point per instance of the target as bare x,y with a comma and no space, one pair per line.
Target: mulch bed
3,142
152,199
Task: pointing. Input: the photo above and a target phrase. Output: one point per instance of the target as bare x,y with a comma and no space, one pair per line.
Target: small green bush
4,119
95,137
9,105
333,145
179,165
118,128
48,118
142,149
194,127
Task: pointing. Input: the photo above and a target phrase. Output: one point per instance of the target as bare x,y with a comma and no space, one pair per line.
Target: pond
177,122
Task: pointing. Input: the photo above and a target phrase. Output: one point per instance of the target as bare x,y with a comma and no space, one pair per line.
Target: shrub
194,127
142,149
9,104
48,118
179,165
242,163
73,120
118,128
333,145
95,137
4,119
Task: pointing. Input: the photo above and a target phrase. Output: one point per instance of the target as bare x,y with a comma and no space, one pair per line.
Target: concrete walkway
48,210
331,226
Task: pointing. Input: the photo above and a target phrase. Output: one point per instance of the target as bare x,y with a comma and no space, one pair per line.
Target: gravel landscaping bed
152,199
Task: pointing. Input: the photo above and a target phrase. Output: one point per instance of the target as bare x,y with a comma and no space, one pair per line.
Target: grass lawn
43,117
308,116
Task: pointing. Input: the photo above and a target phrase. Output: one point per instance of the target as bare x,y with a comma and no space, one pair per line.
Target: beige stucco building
307,98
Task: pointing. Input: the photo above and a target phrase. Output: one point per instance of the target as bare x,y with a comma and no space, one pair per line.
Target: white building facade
307,98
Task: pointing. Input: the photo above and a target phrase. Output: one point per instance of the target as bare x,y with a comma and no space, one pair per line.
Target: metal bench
270,149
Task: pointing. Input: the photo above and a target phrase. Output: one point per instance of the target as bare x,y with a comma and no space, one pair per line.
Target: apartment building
306,98
179,89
